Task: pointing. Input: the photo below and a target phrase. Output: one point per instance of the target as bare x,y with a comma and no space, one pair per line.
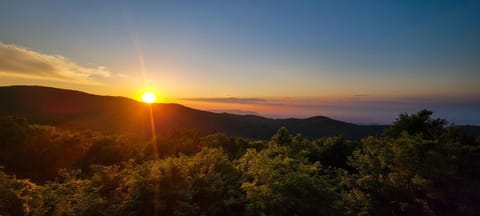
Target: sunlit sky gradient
358,61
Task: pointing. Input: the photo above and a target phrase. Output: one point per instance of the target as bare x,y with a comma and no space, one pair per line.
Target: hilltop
79,110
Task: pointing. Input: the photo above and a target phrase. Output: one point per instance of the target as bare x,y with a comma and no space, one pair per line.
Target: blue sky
325,51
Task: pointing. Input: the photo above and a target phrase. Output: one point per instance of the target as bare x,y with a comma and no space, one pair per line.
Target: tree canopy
420,166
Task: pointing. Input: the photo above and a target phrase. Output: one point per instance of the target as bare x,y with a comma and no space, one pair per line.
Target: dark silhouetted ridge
75,109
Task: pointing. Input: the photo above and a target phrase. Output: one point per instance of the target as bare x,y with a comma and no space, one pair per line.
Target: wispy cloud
228,100
234,111
17,61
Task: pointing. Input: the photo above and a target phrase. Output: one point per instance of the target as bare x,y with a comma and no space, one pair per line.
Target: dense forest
419,166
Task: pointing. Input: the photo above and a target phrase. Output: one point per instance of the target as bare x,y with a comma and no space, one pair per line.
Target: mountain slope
74,109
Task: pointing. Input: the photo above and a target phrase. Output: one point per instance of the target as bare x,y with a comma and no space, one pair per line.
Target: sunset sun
148,97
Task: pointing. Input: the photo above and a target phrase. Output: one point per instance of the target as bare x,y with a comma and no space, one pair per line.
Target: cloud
16,61
234,111
228,100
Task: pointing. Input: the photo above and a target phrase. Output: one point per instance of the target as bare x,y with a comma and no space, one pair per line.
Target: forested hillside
78,110
419,166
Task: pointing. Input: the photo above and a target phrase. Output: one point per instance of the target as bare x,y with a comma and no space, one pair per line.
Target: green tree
334,151
282,137
14,195
277,184
415,176
419,123
206,183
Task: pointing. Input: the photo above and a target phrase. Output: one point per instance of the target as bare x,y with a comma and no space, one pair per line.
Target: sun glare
148,97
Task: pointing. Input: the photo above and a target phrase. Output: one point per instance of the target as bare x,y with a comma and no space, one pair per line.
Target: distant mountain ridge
76,109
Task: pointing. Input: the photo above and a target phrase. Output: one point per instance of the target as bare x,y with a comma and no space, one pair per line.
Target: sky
358,61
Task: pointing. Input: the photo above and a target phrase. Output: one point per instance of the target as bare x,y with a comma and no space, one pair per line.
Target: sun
148,97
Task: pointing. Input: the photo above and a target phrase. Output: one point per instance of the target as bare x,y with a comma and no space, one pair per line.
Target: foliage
418,172
420,123
419,167
14,194
276,184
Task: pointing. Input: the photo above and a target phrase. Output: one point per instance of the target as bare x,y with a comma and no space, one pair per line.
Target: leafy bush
419,167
